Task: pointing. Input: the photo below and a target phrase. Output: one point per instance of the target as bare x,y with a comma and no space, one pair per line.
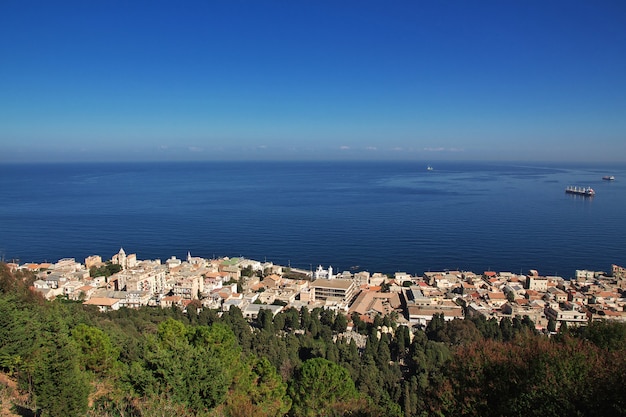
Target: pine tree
61,388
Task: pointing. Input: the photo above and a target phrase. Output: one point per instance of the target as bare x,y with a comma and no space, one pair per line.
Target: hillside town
250,285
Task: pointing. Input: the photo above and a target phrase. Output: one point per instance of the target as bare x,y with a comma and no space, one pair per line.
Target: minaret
189,256
330,272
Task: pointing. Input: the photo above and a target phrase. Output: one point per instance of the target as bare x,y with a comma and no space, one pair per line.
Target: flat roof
342,284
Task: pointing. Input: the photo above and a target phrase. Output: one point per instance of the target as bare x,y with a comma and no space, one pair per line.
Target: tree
258,391
341,323
435,327
606,334
305,318
532,376
402,341
264,320
247,271
510,296
98,353
193,366
105,270
20,330
292,319
461,331
327,317
358,325
506,327
529,324
551,325
61,388
318,386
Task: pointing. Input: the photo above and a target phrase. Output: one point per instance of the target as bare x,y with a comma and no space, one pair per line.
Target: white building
321,273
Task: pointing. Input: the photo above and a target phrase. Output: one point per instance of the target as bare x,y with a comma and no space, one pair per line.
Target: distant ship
608,177
429,168
587,192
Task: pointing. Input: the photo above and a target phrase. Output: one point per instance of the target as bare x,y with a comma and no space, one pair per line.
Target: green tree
305,318
292,319
460,331
510,296
20,331
247,271
265,320
258,391
551,325
97,352
60,386
318,387
105,270
506,327
358,325
435,327
327,317
192,366
341,323
606,334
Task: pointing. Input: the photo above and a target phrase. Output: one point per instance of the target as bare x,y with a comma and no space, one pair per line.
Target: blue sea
375,216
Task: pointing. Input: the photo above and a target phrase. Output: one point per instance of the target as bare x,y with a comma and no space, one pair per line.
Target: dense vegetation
70,360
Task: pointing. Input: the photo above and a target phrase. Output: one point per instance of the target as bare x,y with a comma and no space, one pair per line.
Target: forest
62,358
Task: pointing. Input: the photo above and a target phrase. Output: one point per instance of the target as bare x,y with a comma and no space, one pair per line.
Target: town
125,281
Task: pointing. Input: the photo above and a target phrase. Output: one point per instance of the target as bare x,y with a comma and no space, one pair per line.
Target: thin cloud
442,149
371,148
195,149
344,147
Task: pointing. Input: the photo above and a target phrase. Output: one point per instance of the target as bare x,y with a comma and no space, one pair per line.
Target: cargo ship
608,177
586,191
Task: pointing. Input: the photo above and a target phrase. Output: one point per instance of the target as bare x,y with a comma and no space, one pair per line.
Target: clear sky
296,79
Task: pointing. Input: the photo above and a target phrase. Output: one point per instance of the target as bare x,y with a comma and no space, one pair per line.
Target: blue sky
417,80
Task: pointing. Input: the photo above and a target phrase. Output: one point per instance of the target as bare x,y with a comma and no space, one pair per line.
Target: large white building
339,289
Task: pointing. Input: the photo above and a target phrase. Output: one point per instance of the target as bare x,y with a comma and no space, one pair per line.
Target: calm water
385,216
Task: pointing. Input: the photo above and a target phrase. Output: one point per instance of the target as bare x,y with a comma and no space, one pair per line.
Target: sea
391,216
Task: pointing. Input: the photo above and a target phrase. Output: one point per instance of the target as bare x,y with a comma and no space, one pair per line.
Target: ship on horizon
608,178
584,191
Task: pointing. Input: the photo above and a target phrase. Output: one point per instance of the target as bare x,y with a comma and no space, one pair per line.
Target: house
422,315
339,289
93,261
557,294
104,304
496,298
272,281
189,287
84,292
136,299
569,316
372,303
234,302
251,311
537,283
171,300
